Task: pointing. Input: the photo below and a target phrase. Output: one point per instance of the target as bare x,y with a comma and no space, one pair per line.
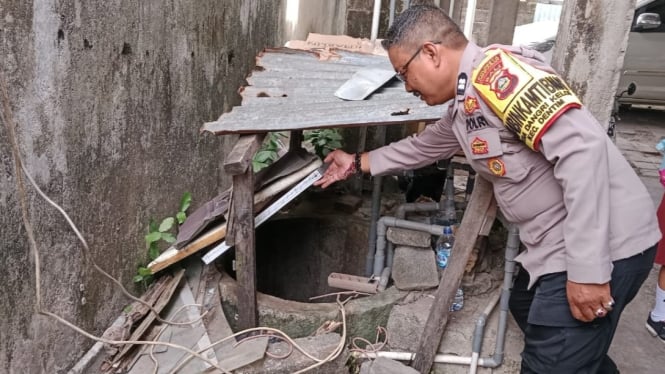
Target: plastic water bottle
444,245
447,216
458,301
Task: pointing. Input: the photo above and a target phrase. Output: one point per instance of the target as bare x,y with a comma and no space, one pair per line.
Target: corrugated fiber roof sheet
294,90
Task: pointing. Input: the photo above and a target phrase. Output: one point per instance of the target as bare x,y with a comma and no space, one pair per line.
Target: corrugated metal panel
294,90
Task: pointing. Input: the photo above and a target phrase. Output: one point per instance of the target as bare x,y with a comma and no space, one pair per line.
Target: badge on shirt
461,84
497,167
504,84
470,105
528,100
479,146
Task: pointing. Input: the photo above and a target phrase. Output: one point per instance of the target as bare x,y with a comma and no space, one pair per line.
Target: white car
644,62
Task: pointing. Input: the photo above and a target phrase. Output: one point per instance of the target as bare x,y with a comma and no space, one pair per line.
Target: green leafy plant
323,140
162,232
269,151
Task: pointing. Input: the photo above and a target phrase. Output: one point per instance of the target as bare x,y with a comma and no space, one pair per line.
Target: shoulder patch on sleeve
527,100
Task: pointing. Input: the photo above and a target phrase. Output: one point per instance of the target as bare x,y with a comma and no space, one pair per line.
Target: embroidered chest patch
470,105
497,167
527,100
479,146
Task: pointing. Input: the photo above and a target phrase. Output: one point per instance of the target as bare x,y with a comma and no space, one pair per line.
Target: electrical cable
20,171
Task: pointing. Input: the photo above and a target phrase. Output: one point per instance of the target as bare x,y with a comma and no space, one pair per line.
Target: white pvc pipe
469,18
451,8
409,356
375,19
475,356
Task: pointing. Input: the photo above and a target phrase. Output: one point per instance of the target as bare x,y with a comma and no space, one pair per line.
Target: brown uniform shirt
577,202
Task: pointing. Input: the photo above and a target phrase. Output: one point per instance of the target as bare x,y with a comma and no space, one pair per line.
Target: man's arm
436,142
577,146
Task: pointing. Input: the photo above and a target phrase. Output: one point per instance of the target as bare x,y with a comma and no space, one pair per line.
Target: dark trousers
554,341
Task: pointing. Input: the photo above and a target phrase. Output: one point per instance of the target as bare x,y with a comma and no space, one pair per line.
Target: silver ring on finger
609,305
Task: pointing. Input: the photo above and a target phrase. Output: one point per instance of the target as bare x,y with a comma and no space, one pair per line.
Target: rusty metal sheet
294,90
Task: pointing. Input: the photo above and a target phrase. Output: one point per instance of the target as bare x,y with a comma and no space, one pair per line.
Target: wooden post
238,162
296,139
241,226
243,202
465,239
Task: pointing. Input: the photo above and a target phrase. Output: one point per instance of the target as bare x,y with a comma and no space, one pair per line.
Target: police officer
585,218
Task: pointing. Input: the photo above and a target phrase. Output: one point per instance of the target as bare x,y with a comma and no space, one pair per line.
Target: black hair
420,23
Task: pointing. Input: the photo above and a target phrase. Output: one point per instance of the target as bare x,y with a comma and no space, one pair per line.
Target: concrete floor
633,349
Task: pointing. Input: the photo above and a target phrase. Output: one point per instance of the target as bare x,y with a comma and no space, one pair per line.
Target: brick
414,269
399,236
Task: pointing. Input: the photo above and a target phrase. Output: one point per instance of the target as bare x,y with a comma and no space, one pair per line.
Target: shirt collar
469,58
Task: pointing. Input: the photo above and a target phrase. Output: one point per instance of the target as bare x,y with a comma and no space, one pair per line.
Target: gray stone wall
482,18
526,11
325,16
108,98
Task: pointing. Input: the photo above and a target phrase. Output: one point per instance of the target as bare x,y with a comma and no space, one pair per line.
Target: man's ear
434,52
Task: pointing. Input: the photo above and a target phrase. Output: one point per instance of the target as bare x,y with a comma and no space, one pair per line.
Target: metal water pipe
469,18
375,19
512,249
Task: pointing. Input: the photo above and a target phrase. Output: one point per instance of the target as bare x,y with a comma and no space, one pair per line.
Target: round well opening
295,255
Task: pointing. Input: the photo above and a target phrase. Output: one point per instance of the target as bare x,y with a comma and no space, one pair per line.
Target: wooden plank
215,321
245,353
193,336
240,157
173,255
231,221
490,217
296,139
465,239
217,233
165,297
243,200
136,310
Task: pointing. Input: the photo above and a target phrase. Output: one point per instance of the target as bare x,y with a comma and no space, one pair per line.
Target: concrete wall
590,48
482,19
324,16
108,97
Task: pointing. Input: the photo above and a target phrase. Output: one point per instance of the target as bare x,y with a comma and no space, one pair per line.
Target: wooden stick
163,300
465,239
243,202
173,255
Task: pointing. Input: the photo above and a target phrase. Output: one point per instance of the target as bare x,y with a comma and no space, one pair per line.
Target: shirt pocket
483,144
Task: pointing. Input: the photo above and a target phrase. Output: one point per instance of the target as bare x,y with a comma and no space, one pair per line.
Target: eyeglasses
401,74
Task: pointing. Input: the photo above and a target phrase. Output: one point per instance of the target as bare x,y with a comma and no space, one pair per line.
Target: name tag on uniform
527,100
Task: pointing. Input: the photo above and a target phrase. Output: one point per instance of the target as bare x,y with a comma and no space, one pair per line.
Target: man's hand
587,299
341,167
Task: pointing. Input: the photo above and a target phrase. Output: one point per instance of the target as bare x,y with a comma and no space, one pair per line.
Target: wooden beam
243,202
240,157
173,255
465,239
163,300
296,139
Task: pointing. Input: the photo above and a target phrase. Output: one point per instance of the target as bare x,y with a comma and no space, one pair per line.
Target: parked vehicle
614,115
644,62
